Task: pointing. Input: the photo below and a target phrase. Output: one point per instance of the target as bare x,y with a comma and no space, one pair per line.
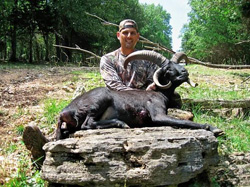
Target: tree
34,25
5,10
156,25
214,29
13,29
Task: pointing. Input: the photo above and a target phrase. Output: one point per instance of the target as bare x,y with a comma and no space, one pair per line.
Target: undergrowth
24,176
52,108
236,136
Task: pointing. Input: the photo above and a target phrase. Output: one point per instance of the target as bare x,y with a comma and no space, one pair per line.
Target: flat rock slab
154,156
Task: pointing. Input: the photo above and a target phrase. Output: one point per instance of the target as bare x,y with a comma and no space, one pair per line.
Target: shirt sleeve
110,75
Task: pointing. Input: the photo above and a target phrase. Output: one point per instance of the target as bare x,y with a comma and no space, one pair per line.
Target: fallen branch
218,103
224,66
245,79
157,47
241,42
79,49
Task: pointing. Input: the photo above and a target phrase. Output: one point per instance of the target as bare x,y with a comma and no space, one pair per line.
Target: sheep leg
105,124
159,117
165,120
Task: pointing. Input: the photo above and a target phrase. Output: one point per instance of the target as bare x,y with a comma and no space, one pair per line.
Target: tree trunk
57,49
30,47
13,38
38,52
46,41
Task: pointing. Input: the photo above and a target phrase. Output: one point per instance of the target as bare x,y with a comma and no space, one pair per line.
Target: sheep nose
184,70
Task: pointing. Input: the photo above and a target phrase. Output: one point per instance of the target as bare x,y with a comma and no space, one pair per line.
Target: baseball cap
128,23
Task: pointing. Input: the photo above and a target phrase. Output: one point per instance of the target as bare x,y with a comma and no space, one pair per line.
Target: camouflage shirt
139,73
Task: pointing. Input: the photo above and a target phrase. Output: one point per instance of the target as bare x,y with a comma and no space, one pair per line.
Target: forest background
218,31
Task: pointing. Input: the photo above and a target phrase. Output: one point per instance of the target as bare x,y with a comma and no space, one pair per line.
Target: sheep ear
156,79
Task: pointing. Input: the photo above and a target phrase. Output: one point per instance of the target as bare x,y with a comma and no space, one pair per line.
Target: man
139,74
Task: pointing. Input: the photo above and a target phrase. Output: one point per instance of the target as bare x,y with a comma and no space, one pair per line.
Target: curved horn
151,56
156,80
179,56
191,83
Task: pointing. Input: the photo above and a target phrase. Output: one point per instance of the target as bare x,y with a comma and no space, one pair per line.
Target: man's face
128,38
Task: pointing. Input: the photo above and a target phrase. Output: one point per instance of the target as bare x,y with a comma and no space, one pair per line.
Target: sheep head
169,71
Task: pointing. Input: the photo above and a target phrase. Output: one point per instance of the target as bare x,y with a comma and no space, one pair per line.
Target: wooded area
218,31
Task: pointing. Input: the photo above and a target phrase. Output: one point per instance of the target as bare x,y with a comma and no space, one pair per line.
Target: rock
156,156
236,172
180,114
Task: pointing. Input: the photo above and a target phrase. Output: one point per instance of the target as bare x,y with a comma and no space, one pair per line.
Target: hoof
217,132
125,126
122,125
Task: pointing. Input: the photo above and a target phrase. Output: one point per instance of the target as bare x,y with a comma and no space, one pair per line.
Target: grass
11,148
237,130
216,92
22,177
91,79
214,84
52,108
19,65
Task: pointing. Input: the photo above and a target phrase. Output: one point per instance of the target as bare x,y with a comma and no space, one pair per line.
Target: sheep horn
177,59
145,55
156,80
179,56
191,83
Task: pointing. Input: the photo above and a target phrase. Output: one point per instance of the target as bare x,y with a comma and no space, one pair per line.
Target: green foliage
28,29
20,129
52,107
11,148
214,30
210,87
21,177
93,80
156,25
237,133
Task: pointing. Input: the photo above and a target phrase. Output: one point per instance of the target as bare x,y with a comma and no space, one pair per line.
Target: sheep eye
168,69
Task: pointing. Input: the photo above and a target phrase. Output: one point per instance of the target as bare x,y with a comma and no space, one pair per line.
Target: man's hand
151,87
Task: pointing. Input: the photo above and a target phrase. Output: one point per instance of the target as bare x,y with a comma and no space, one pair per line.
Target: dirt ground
21,91
25,88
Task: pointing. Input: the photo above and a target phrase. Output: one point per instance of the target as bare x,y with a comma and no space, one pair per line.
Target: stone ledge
154,156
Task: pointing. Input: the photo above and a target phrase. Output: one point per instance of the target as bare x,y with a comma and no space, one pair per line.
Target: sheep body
105,108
